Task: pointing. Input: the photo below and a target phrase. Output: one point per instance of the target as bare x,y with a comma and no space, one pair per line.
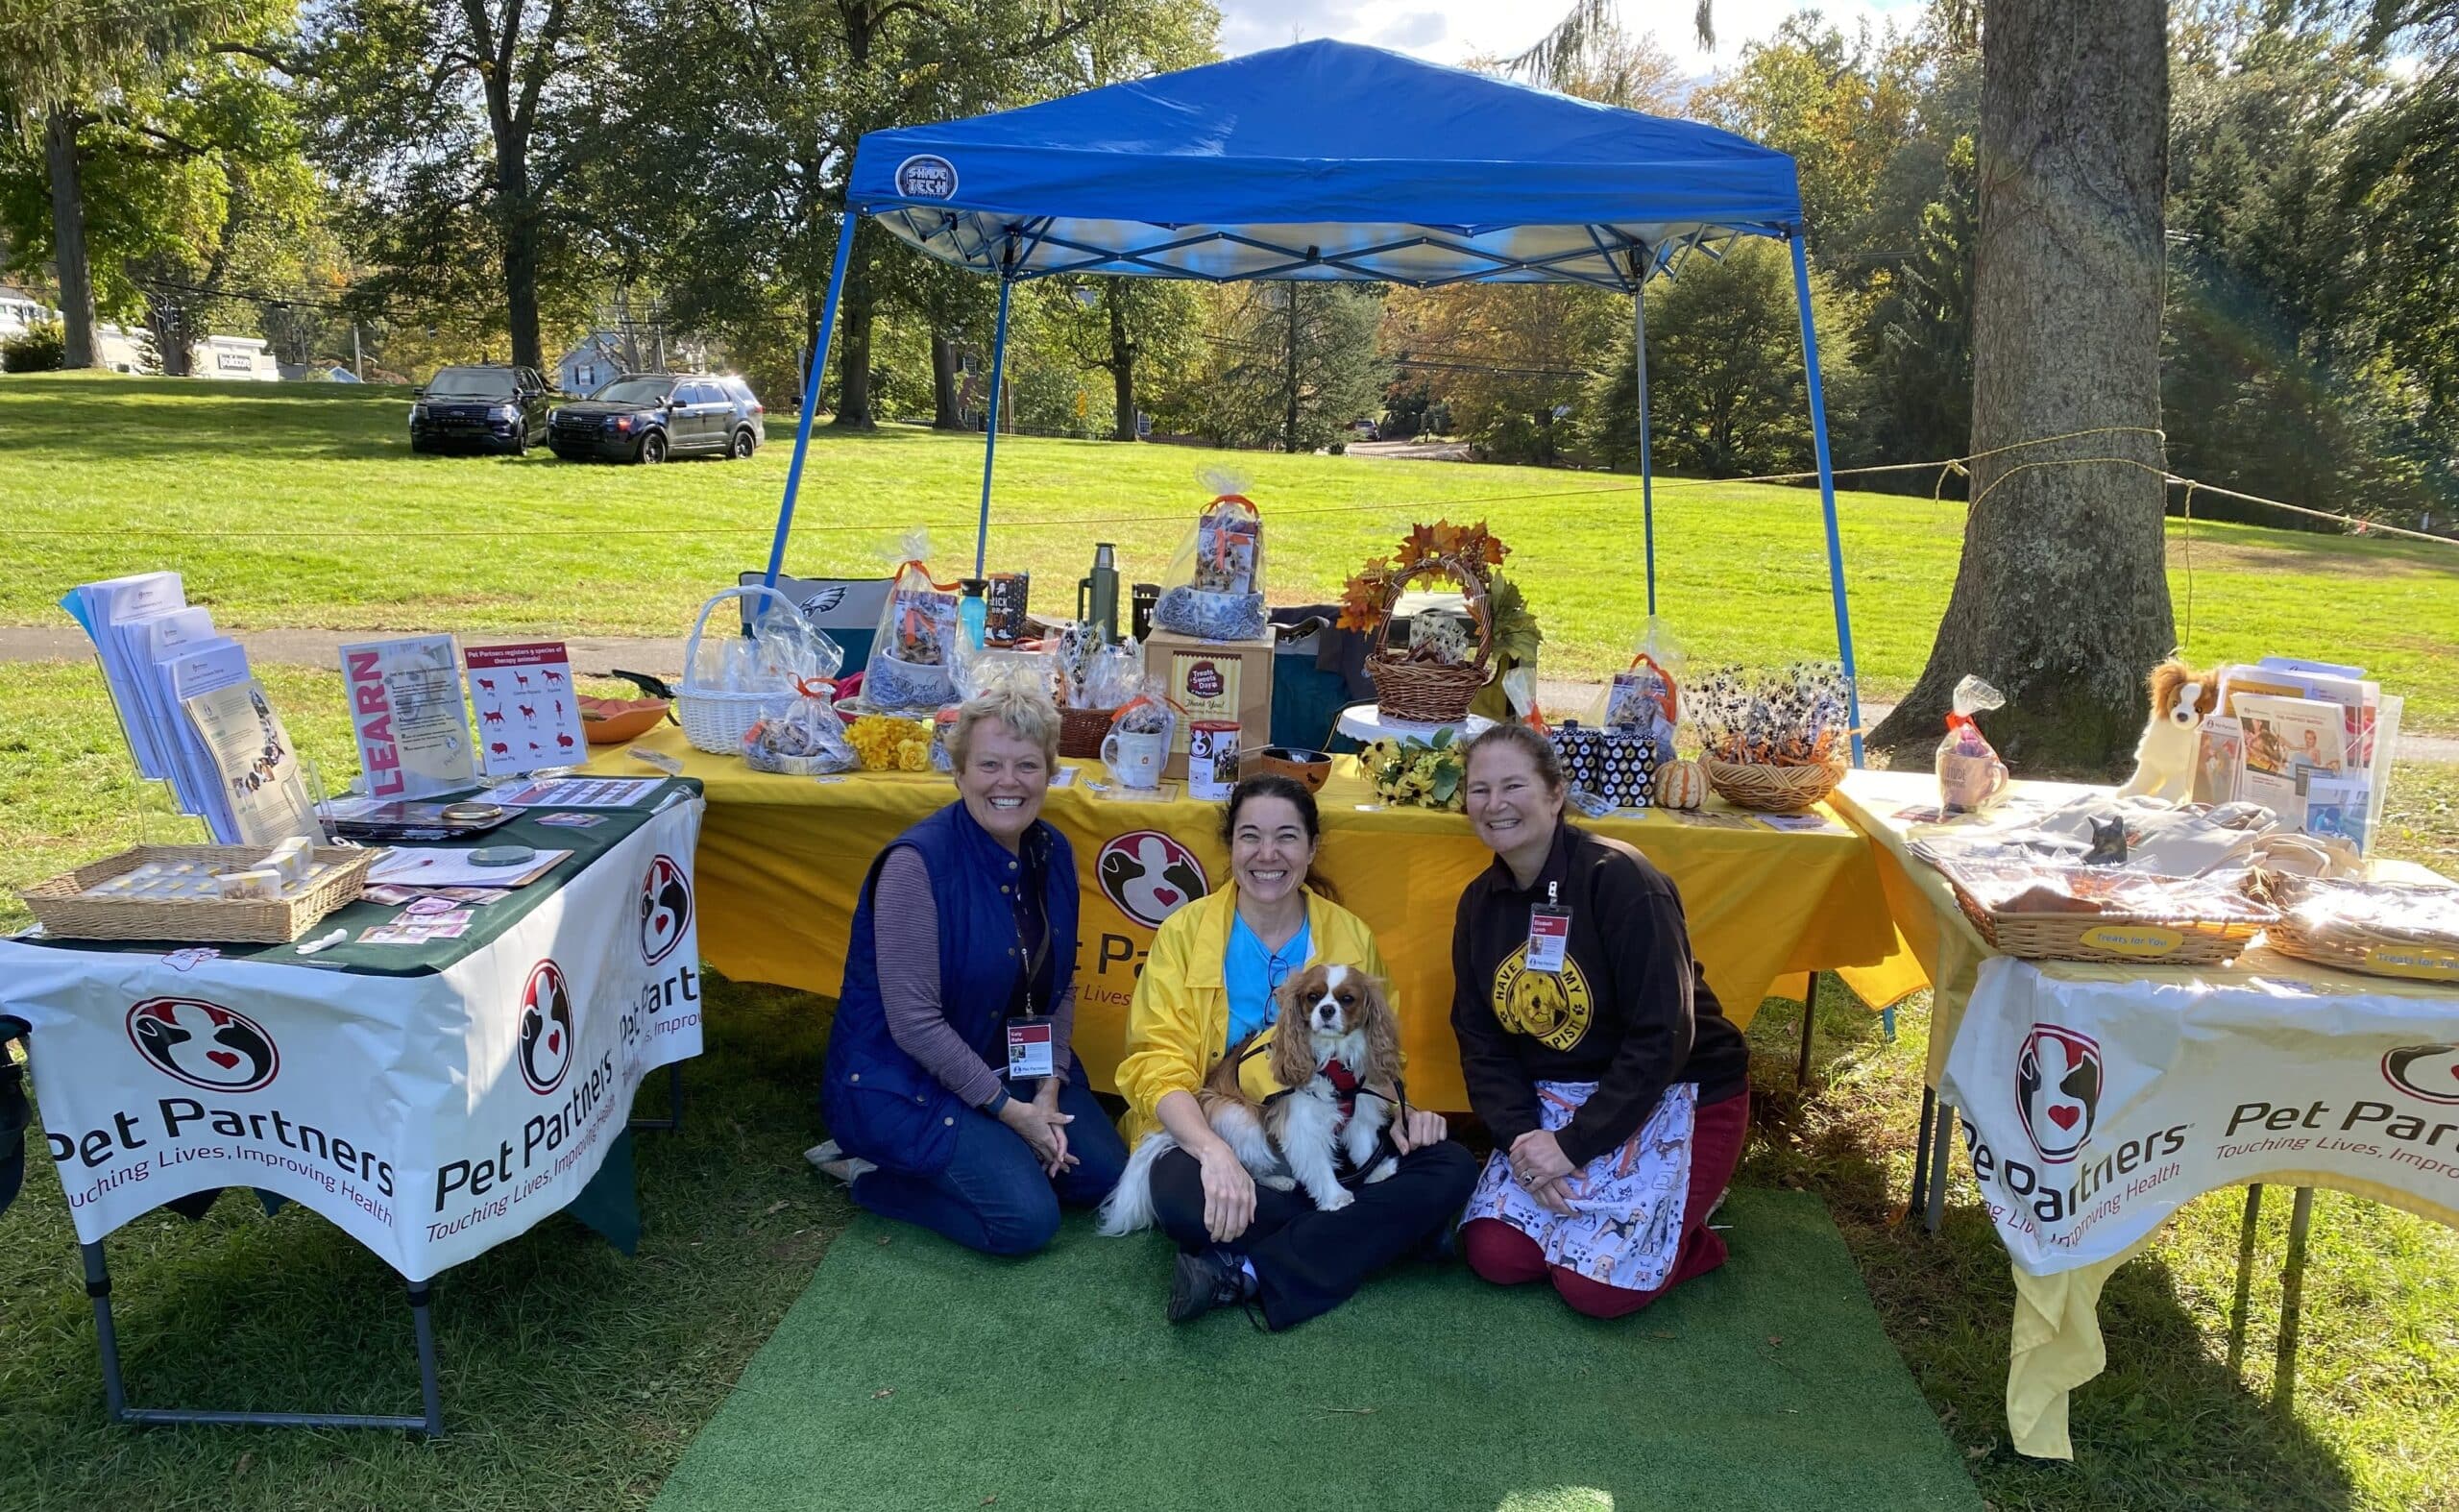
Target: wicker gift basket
2385,929
1771,789
68,911
1081,731
715,719
2095,914
1430,693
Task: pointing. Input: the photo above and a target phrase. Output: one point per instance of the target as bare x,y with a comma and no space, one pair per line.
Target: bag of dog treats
913,655
1970,776
1645,699
1214,590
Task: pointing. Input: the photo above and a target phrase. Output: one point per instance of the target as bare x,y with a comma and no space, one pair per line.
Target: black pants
1309,1261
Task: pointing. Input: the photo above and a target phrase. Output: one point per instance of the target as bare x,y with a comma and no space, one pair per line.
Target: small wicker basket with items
205,894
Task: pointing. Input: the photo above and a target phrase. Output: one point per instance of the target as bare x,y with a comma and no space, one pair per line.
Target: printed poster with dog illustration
2094,1109
431,1115
527,718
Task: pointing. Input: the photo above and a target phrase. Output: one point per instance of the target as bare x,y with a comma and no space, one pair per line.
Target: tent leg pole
845,224
990,439
1647,480
1826,484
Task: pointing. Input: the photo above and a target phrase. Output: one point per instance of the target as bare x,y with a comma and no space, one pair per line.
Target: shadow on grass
2166,1426
572,1375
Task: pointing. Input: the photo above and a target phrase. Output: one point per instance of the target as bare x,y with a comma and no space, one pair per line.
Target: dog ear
1293,1047
1382,1029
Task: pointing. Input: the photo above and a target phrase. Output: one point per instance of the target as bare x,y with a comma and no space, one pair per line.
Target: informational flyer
526,715
578,792
262,794
405,709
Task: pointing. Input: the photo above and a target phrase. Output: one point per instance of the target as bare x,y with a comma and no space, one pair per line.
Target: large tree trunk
68,237
520,226
854,351
1122,367
2061,600
946,413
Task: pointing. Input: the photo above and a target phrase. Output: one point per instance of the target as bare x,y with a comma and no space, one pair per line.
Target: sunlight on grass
300,505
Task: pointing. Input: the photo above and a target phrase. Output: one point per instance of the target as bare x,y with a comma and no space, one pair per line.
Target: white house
21,311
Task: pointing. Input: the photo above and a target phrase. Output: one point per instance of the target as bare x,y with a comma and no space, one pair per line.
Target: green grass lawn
575,1377
300,505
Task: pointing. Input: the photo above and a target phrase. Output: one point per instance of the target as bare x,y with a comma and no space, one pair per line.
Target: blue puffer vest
879,1100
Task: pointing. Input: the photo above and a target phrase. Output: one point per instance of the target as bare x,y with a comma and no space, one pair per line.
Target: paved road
665,658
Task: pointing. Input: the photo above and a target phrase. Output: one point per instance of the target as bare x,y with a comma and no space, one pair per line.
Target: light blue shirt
1253,974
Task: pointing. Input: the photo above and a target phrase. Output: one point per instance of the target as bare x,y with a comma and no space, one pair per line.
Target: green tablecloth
486,924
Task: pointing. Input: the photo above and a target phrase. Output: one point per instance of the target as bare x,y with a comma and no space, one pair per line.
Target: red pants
1508,1257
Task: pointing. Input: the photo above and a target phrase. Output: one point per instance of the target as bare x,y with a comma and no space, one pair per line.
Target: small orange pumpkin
1681,785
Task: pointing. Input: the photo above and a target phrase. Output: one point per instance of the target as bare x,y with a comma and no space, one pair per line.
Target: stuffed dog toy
2181,699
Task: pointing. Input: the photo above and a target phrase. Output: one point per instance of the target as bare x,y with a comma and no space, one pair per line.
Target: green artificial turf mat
914,1374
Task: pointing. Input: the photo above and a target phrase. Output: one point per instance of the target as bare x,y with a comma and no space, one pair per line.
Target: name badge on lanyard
1032,1047
1550,934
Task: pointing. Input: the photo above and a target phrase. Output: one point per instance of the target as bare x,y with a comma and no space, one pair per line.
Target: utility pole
357,361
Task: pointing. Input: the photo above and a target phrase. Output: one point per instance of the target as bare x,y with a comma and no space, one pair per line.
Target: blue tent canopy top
1322,161
1326,160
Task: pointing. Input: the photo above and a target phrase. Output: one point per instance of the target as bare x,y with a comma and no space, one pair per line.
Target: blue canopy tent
1272,166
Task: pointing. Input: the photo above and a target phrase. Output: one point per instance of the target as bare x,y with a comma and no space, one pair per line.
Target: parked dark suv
487,407
648,417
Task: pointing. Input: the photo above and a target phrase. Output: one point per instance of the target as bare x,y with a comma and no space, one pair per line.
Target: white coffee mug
1134,760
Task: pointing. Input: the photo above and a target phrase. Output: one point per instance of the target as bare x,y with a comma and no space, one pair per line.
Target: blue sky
1447,31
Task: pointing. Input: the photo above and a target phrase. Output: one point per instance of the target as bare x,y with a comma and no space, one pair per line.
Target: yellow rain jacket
1177,1028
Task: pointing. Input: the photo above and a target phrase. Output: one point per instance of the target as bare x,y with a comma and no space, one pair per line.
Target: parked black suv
486,406
648,417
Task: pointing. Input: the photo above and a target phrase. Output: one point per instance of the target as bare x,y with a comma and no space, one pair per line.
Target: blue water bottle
971,613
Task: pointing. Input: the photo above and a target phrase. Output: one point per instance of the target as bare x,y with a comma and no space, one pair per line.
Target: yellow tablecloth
782,859
2056,1342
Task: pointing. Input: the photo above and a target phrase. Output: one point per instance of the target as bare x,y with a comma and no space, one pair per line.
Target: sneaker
1202,1282
832,1161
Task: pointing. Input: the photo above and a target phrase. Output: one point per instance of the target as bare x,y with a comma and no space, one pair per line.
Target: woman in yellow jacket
1209,982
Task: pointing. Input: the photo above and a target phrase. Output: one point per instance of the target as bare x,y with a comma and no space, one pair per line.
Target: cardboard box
1214,680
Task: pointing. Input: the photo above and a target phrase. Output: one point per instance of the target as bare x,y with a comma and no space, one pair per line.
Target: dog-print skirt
1625,1225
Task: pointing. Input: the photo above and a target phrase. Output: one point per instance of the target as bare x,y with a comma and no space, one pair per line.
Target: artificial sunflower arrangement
1415,773
1514,630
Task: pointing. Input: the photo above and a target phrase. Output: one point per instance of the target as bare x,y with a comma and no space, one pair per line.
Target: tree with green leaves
1133,330
461,126
1290,364
63,73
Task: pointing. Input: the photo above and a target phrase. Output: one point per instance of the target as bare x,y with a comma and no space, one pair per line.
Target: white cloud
1451,30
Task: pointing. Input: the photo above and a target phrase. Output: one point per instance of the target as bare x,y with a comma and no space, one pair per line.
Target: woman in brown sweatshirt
1617,1091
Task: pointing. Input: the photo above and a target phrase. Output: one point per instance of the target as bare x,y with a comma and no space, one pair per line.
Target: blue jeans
994,1196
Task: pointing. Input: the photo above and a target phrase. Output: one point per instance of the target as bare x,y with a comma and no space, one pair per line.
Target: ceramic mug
1134,761
1212,758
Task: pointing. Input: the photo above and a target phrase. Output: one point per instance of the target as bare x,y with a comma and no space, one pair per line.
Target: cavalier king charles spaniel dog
1335,1050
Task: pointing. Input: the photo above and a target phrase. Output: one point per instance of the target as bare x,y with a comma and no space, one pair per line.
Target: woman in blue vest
962,955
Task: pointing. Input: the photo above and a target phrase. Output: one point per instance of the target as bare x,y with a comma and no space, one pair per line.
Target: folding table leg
98,1286
1920,1195
1942,1150
2245,1276
2292,1300
1809,1016
673,1118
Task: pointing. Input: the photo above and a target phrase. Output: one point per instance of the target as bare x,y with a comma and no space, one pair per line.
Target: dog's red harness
1344,1085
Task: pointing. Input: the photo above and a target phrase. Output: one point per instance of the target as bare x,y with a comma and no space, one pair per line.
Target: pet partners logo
204,1044
2058,1090
666,909
1149,876
926,176
2430,1072
546,1049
